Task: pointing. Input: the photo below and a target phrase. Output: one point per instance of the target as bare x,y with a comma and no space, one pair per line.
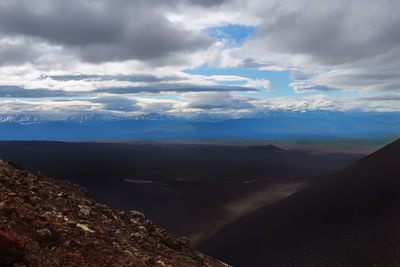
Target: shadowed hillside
203,184
350,219
47,222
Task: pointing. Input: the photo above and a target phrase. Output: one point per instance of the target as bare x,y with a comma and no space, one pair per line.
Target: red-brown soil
48,222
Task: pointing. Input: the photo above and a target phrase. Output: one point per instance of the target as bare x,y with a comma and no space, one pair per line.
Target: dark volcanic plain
191,189
349,219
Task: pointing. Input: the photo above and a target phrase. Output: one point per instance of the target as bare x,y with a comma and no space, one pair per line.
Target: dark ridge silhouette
266,148
350,219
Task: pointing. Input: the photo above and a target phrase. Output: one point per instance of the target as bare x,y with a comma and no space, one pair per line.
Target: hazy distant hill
275,125
351,219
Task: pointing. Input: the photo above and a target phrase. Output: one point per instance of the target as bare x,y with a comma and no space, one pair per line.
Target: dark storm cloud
63,22
334,33
18,53
117,103
100,31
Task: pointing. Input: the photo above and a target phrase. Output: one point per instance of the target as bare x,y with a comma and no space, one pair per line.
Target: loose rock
62,226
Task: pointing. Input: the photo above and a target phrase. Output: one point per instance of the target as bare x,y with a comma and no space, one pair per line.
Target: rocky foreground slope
47,222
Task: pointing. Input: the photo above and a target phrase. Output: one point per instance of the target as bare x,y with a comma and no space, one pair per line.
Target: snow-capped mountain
81,117
22,118
25,119
152,117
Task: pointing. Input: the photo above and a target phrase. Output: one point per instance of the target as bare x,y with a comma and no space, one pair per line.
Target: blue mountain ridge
279,125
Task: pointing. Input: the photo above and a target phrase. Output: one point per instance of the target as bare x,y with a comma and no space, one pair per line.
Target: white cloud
260,83
326,45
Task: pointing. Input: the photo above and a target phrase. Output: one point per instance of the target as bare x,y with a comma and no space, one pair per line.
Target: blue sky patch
279,79
237,33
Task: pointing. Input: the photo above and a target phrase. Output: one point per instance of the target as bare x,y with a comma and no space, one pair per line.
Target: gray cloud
117,103
356,41
348,45
18,52
336,33
157,107
62,22
19,92
300,76
376,78
101,31
315,88
174,88
218,101
148,78
208,3
251,63
385,97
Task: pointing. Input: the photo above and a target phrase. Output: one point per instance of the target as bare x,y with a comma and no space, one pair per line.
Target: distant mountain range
22,119
78,117
277,125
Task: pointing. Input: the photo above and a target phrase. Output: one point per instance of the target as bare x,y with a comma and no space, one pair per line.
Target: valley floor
204,184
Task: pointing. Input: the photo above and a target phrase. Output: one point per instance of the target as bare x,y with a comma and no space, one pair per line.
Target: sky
235,58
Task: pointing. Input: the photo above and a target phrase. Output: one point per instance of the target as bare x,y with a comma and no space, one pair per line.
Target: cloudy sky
189,57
